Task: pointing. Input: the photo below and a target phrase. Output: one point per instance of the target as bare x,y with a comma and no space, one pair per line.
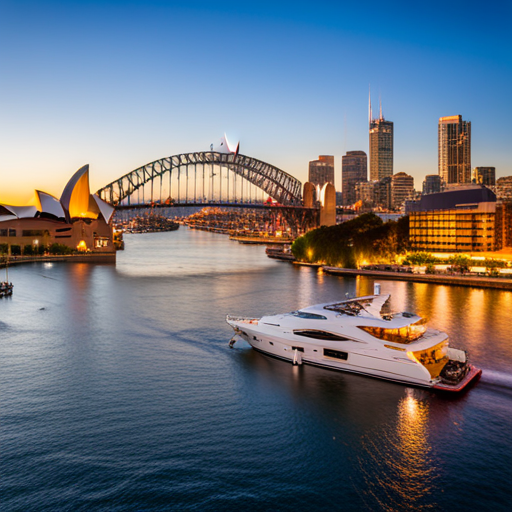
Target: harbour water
119,392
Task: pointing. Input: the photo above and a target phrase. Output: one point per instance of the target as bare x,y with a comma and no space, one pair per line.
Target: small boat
357,335
6,287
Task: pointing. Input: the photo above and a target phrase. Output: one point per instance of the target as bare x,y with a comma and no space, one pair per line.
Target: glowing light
412,357
82,246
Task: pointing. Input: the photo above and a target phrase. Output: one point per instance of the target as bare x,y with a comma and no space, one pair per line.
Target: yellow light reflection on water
398,464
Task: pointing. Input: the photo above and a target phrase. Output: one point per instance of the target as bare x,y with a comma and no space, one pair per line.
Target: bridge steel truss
280,186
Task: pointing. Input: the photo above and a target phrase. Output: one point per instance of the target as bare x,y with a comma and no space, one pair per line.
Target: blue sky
117,84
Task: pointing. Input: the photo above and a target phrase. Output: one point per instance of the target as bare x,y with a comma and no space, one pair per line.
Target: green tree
460,263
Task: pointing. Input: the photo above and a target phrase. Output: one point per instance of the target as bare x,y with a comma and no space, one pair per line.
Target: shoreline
109,258
477,282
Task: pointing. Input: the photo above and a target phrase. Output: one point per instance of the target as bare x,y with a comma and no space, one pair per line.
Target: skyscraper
321,171
381,146
454,149
354,169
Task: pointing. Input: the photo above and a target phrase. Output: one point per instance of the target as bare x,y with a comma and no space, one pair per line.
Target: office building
321,171
467,219
381,145
381,148
504,189
374,194
484,176
454,150
354,169
432,184
402,189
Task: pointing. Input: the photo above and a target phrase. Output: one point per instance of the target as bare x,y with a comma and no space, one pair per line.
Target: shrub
60,249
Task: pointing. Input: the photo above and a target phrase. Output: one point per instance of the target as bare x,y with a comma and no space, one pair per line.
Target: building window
33,232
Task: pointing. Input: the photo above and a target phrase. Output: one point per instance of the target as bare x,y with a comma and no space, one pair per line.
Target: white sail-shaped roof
7,217
46,203
106,210
75,198
22,212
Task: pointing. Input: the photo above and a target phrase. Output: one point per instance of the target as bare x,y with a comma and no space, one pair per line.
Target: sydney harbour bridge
213,178
204,178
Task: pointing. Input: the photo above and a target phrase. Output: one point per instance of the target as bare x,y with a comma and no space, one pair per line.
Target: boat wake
497,380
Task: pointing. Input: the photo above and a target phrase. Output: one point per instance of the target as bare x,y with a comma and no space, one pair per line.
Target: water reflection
396,460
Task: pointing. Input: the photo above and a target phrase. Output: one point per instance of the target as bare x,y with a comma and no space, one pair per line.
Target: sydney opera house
80,220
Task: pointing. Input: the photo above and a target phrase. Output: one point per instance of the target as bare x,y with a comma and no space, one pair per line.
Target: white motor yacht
357,335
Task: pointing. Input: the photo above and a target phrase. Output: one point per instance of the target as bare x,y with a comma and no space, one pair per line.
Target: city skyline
117,85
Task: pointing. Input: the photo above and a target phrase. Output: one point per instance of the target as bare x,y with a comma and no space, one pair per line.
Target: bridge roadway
259,206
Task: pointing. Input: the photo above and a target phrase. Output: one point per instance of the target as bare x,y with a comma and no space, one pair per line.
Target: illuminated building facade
454,149
454,230
354,169
464,220
321,171
504,189
79,220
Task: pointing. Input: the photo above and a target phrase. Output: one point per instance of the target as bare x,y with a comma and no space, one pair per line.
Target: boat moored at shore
357,335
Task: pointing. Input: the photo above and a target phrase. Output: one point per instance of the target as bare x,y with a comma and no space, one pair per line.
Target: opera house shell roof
76,202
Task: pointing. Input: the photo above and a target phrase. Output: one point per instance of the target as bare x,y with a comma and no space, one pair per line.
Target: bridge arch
277,184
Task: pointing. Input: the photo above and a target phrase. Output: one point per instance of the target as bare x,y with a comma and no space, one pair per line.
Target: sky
118,84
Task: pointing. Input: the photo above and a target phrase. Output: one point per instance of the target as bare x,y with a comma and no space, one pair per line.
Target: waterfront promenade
474,281
74,258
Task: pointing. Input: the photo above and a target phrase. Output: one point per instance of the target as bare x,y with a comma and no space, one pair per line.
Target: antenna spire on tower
369,106
380,108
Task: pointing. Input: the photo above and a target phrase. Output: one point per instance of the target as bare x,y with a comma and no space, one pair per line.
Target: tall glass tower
454,149
381,146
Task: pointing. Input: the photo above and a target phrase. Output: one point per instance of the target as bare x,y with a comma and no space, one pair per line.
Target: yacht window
319,335
308,316
406,334
335,353
298,349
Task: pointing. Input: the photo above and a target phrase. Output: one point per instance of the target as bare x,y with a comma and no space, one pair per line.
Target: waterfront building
79,220
454,230
454,149
432,184
402,189
504,189
484,176
464,219
503,225
354,169
321,171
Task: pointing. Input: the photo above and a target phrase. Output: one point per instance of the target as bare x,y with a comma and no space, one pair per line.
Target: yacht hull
401,370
